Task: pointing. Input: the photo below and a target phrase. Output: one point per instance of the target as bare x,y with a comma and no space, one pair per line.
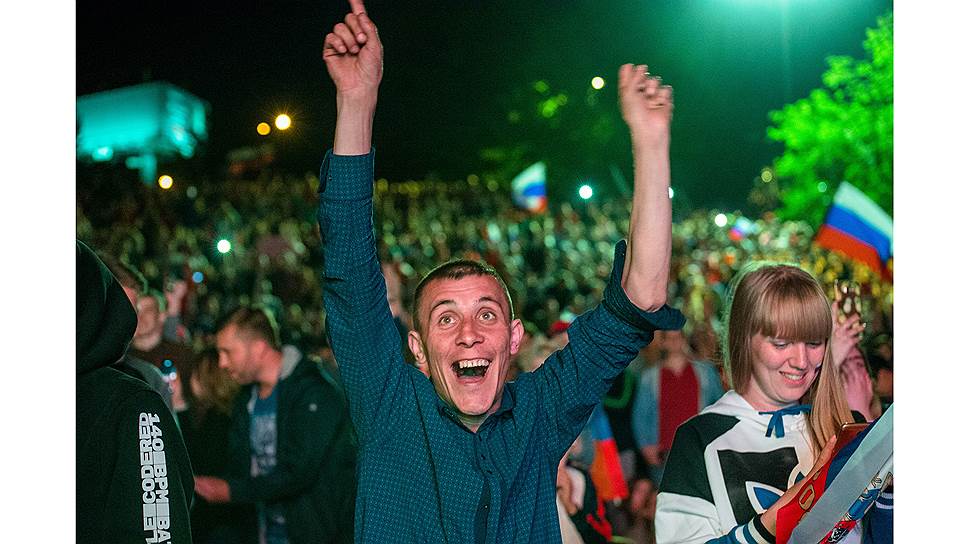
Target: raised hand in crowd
647,110
846,335
354,59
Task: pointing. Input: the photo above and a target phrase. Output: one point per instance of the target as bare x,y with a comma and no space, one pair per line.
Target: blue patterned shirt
423,476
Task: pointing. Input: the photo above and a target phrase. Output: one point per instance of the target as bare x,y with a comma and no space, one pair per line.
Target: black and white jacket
724,471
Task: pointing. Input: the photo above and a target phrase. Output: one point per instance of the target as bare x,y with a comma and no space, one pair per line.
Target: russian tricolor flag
606,469
528,188
856,226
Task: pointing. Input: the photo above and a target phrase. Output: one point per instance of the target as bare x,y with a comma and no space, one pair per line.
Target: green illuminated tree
843,131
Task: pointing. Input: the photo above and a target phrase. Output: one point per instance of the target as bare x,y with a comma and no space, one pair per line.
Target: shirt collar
507,404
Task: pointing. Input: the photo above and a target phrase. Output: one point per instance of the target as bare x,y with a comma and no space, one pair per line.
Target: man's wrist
645,143
363,100
354,123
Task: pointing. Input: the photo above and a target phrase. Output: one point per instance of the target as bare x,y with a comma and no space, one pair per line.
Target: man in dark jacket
134,479
292,446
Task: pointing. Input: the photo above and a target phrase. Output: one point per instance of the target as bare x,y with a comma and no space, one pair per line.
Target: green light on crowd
223,246
585,191
822,186
597,83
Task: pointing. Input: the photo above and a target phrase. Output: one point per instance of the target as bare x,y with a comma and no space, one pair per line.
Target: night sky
453,70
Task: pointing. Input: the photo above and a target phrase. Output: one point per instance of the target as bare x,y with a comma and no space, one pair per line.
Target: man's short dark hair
455,270
255,321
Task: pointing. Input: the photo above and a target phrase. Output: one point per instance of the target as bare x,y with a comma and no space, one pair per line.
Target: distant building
141,125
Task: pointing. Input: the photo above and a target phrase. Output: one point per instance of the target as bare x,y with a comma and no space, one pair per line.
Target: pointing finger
356,6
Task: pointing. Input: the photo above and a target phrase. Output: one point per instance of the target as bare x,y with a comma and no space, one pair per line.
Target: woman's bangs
797,314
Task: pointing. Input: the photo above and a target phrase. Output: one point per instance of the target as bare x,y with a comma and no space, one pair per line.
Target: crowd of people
555,263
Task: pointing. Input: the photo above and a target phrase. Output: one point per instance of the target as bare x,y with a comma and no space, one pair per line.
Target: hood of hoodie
733,404
105,318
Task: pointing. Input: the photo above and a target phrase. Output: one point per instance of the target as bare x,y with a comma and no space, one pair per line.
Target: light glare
263,129
165,181
224,246
597,83
720,220
283,122
585,191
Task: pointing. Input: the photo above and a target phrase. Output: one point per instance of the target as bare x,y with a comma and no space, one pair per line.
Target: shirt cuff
354,175
617,302
761,531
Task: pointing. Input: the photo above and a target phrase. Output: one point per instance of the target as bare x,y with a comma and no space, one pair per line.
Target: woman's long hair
786,302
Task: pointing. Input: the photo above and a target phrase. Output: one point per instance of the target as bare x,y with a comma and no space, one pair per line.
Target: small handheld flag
528,188
606,469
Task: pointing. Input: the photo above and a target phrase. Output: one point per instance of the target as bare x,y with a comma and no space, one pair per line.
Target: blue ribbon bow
776,422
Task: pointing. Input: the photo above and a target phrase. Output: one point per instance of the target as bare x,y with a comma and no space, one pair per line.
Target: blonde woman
736,463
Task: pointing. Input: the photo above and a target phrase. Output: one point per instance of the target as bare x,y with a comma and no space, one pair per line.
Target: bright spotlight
263,129
720,220
223,246
585,191
165,182
672,193
597,83
283,122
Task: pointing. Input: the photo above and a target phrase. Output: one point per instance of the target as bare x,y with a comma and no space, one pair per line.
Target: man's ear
420,356
517,334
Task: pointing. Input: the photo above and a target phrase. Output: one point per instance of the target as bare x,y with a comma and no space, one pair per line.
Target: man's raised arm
365,341
647,109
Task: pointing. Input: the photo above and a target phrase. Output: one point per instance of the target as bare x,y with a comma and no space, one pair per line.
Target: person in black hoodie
134,478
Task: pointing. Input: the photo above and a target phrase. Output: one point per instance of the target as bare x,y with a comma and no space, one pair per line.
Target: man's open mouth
471,368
